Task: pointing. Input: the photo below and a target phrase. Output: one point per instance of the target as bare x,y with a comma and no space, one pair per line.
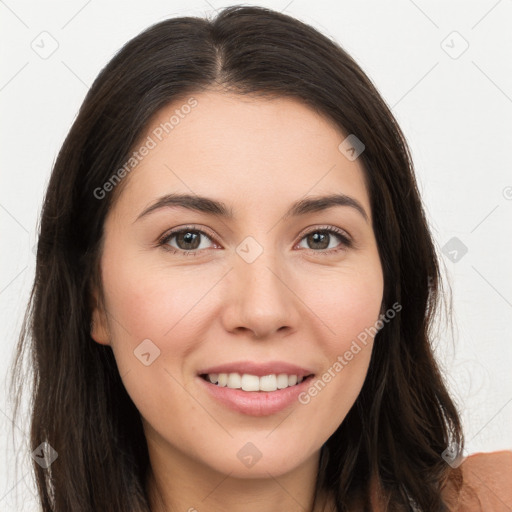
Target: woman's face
252,282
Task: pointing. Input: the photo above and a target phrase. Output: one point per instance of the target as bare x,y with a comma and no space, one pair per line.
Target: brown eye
185,240
320,240
188,240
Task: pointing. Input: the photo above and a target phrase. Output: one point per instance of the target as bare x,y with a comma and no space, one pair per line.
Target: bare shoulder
486,483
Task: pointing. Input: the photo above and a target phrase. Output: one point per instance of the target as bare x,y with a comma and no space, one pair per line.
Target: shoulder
486,484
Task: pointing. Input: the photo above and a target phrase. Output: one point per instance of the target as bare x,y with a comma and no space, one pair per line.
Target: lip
258,369
255,403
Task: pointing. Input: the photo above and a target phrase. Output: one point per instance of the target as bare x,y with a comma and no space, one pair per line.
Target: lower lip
256,403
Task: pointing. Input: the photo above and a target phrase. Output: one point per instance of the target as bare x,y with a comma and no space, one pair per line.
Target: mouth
254,390
253,383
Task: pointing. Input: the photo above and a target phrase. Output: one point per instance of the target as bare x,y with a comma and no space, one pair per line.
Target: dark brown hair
403,419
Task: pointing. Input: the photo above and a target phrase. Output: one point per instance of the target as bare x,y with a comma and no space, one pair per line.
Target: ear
99,325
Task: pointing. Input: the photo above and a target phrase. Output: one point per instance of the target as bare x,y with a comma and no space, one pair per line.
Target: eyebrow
219,209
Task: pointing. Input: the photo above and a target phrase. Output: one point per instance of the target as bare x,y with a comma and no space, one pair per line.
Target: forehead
248,151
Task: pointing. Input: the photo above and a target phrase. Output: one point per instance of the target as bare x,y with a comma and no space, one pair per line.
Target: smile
254,403
253,383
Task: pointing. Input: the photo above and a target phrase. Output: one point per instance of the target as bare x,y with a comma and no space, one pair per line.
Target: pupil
188,238
317,238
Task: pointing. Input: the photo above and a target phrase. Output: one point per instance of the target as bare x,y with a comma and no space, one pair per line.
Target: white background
455,111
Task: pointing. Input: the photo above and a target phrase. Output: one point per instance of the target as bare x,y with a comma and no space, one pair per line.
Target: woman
234,287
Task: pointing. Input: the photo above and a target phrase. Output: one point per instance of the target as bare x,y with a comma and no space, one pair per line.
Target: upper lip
258,369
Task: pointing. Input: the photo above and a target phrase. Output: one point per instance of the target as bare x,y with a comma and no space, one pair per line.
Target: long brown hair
403,420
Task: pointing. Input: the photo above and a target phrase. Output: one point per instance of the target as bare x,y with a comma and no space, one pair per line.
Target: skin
296,302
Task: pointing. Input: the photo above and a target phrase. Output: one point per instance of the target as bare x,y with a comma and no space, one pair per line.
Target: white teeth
268,383
249,382
282,381
234,381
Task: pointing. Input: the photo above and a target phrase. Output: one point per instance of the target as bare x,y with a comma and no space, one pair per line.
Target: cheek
347,301
148,322
350,307
334,390
148,302
355,324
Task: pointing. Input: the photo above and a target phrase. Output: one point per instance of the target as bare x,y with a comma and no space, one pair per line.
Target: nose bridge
261,299
258,268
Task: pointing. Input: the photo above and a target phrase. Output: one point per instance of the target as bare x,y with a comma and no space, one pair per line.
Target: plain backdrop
445,69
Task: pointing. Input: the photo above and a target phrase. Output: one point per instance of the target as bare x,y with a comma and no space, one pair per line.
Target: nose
260,299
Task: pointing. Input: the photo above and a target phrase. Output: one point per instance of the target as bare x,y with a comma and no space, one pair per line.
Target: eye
187,241
319,240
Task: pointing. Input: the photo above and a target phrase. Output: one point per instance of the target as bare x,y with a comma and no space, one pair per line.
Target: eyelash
346,242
